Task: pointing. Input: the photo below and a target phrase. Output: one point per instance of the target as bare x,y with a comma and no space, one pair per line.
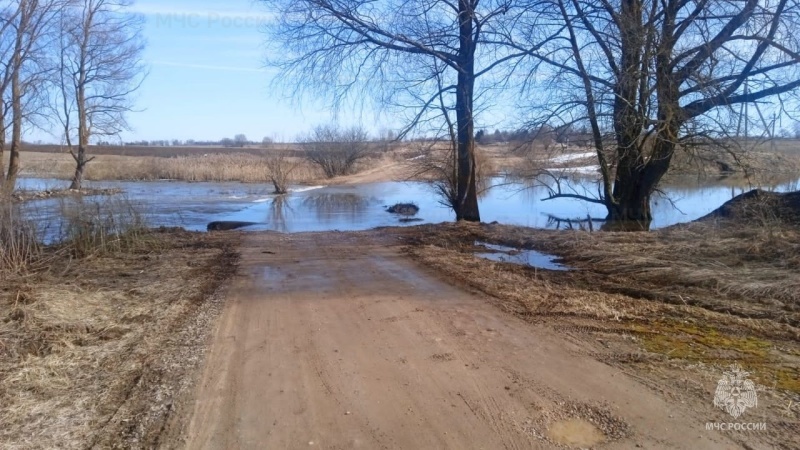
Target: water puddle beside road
530,258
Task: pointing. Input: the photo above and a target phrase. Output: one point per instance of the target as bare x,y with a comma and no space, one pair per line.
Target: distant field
785,146
387,160
163,152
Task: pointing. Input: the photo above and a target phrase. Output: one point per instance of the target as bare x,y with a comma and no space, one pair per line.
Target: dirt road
337,341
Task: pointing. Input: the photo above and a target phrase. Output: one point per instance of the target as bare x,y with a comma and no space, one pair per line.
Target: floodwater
360,207
522,257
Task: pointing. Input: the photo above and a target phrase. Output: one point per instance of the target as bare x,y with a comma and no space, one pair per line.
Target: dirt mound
403,209
760,205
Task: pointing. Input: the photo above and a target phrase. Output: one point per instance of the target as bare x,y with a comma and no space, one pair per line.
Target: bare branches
575,196
280,168
336,151
25,32
649,71
416,58
99,67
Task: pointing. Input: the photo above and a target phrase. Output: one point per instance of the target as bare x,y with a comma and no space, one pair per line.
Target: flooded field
363,206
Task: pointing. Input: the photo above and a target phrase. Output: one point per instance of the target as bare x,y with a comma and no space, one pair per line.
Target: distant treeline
563,134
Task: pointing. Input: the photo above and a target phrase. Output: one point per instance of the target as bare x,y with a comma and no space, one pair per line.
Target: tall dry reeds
84,227
242,167
100,225
19,243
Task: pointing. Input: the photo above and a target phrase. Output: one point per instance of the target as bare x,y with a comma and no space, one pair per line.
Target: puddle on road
532,258
576,433
273,275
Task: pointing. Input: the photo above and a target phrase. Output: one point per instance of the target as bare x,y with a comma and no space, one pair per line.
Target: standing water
363,206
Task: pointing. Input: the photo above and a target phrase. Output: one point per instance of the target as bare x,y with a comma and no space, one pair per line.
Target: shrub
436,165
280,168
336,151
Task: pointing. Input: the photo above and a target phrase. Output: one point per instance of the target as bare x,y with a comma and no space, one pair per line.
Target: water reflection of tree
585,224
280,207
326,206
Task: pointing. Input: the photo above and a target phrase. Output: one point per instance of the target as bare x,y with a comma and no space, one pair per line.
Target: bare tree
8,16
651,77
99,69
435,165
240,140
335,150
280,168
437,159
24,36
397,51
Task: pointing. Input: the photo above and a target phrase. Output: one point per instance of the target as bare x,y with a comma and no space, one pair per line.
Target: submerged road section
338,341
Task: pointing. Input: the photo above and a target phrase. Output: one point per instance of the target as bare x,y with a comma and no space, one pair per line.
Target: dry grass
19,241
85,342
85,226
671,309
99,226
252,165
748,272
84,323
241,167
710,293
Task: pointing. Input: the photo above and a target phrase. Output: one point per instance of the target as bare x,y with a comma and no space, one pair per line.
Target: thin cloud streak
209,67
167,11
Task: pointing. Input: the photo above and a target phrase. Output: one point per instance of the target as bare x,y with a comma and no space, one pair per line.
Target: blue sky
206,75
207,78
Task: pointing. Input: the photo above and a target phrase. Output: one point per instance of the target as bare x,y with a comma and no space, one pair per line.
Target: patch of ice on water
305,188
571,157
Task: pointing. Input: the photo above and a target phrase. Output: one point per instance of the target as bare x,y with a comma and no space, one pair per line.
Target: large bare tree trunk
639,174
83,133
16,124
467,199
2,148
467,208
656,67
80,166
632,197
80,100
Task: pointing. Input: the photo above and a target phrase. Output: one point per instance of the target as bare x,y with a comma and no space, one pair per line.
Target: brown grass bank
241,167
386,161
213,167
674,307
96,351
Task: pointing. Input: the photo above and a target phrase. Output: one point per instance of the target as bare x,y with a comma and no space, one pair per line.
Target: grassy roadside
96,349
674,307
